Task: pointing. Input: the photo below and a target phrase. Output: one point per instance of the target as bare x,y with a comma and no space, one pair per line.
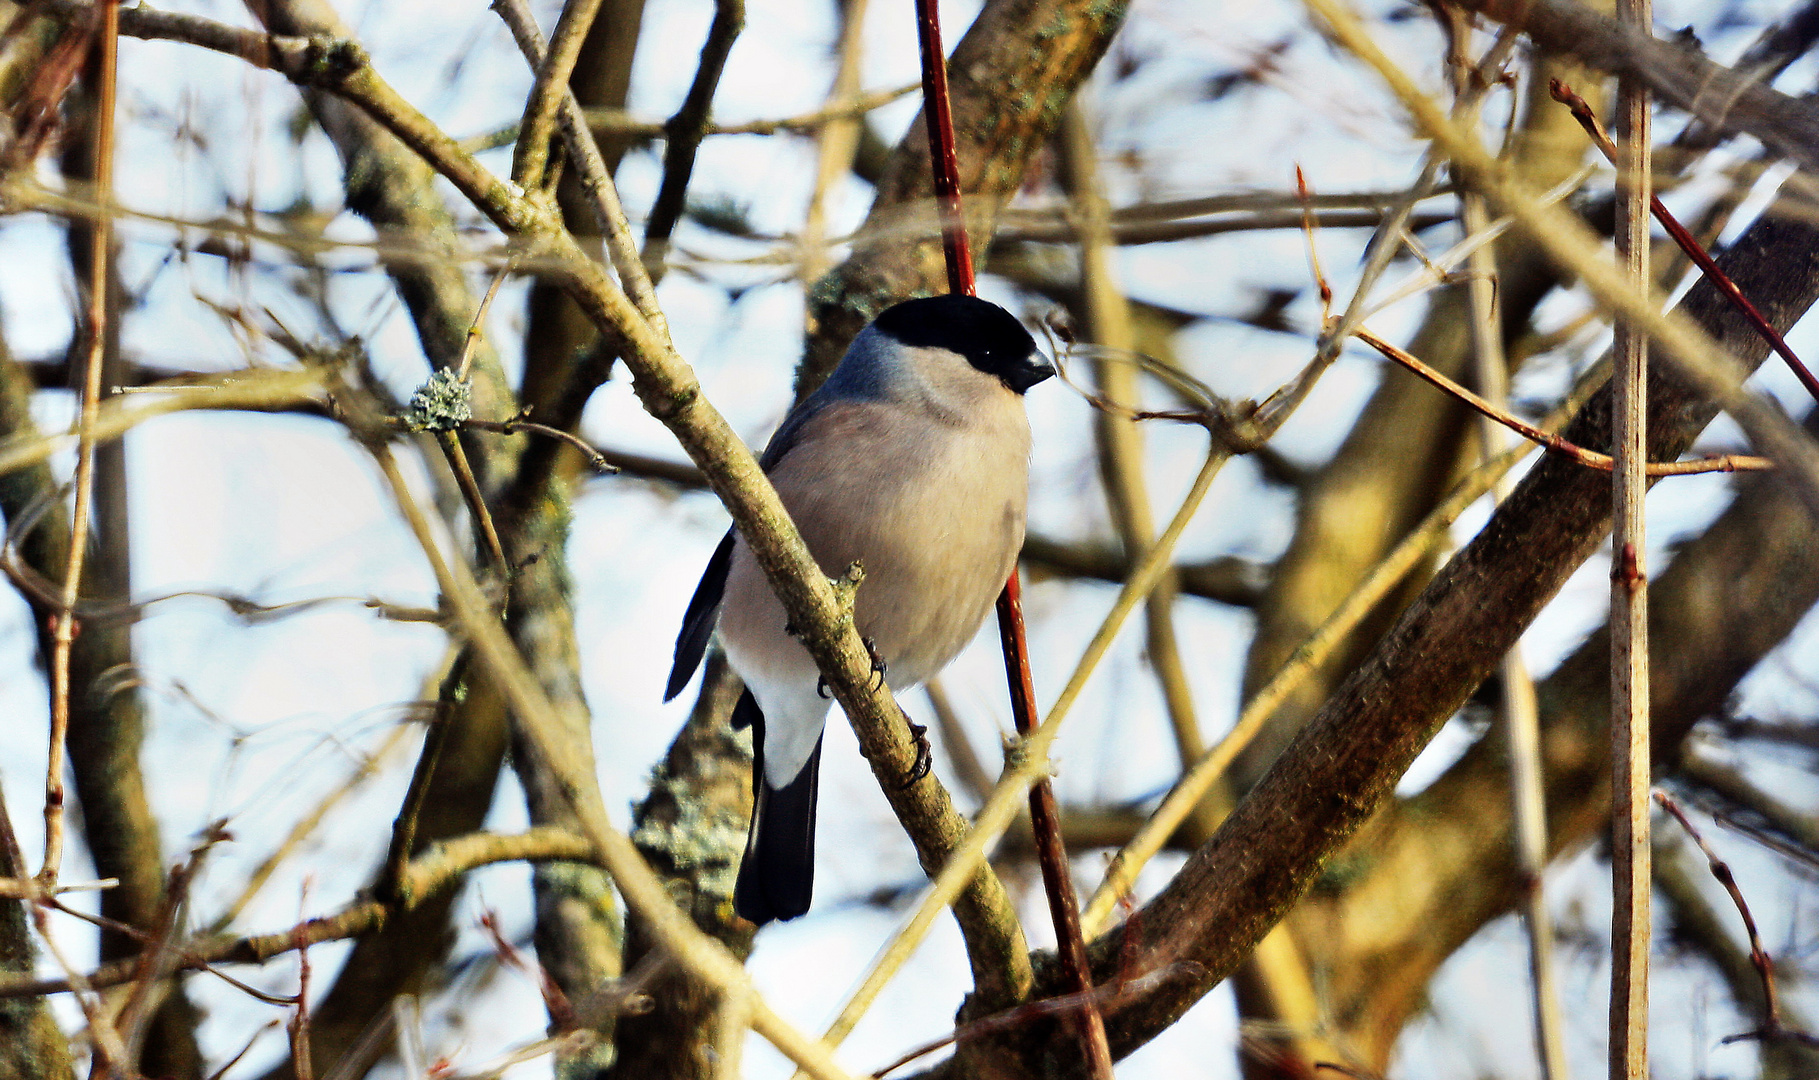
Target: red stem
944,160
1045,815
1729,288
1582,111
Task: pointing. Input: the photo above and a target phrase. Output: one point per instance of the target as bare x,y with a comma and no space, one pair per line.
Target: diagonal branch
530,158
1726,100
684,132
1343,766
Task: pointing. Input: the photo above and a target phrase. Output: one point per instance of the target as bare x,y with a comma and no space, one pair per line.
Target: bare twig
1745,807
439,867
1119,439
245,1048
29,889
476,330
110,1053
596,179
1519,713
1689,244
1759,958
101,239
157,963
530,158
1045,813
973,777
1631,851
618,122
684,133
367,769
471,494
301,1058
596,458
255,389
1589,458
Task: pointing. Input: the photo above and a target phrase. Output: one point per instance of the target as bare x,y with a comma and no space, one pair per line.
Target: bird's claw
925,755
878,664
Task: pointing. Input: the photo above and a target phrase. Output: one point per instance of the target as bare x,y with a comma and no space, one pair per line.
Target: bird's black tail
777,875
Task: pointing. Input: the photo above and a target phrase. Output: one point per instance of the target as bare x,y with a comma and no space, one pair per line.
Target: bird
912,460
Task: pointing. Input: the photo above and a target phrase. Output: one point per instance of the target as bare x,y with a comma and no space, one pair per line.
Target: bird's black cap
990,337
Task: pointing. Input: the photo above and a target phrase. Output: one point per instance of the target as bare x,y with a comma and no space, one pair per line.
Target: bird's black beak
1033,370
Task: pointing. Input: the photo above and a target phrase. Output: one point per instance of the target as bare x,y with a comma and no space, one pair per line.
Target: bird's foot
878,664
925,755
821,689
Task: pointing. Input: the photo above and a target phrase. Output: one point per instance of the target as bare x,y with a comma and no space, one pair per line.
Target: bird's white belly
937,531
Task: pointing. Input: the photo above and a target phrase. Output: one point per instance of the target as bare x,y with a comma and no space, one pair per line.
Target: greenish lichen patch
699,841
443,403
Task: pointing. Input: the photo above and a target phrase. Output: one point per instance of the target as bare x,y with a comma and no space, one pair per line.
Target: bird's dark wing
704,606
698,622
790,430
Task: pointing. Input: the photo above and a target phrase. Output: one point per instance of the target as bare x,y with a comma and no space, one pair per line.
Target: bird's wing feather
790,431
704,606
777,875
698,622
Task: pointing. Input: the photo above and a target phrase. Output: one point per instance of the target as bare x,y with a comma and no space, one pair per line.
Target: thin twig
477,329
960,752
246,1048
618,122
1631,852
438,868
852,105
1582,111
159,962
599,460
1589,458
596,180
242,389
471,494
1519,712
63,630
837,144
29,889
1045,812
1188,792
110,1053
685,131
530,158
1744,807
306,825
1759,957
1120,440
302,1061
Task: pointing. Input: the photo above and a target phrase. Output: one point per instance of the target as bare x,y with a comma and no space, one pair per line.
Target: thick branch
1344,764
1723,99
